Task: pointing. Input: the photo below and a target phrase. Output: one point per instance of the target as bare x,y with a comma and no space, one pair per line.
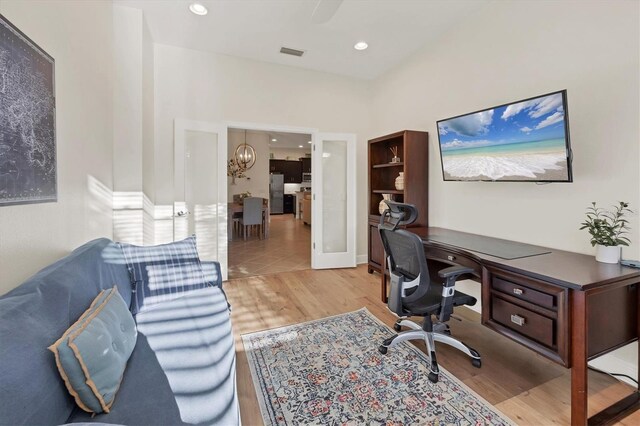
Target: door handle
182,213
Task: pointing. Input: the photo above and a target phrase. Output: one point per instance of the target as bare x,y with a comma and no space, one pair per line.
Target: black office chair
412,292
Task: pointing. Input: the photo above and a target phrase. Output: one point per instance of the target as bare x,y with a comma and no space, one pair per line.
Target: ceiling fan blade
324,11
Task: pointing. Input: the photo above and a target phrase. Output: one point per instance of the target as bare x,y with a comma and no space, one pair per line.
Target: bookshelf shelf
412,148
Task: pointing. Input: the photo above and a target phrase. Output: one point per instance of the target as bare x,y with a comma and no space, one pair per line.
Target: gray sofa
182,369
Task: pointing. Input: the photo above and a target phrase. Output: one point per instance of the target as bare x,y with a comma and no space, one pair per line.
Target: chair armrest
451,273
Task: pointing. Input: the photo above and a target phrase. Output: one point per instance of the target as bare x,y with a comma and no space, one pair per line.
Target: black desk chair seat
412,293
430,303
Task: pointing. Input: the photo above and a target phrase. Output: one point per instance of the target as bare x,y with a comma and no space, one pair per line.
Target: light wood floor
288,248
526,387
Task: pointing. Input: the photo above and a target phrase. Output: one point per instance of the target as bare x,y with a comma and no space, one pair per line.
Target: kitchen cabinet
289,204
306,164
292,170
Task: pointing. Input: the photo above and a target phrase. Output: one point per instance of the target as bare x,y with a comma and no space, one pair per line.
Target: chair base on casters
439,333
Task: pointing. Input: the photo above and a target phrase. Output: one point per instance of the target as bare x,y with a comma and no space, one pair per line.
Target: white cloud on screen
525,129
471,125
552,119
515,109
442,129
537,107
548,104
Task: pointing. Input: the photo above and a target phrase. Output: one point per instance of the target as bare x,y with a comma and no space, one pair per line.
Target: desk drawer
524,293
523,321
451,258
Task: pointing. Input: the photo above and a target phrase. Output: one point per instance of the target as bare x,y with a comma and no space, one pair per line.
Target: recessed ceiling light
300,146
309,142
274,140
198,9
361,45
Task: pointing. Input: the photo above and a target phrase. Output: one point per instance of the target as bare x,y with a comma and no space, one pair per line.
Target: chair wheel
476,362
382,349
387,342
433,377
397,327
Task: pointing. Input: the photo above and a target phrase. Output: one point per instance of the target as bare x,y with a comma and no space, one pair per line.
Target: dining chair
251,215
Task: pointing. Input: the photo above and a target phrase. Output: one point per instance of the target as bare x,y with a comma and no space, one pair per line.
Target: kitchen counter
299,197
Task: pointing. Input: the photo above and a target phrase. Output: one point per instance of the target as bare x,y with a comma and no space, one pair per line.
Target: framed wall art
28,170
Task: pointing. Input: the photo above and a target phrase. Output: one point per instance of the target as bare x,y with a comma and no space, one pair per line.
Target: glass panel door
333,203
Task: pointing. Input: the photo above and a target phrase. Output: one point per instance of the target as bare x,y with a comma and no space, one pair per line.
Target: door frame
180,127
284,129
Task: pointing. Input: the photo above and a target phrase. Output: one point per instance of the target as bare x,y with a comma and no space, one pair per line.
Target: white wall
257,177
217,88
133,119
79,37
513,50
148,113
127,99
151,226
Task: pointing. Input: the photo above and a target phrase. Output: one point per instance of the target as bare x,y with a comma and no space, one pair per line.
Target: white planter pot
607,254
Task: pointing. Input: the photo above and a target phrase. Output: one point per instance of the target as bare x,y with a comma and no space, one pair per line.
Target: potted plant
607,229
244,195
235,170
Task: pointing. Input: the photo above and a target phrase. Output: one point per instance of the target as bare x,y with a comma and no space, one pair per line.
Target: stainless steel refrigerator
276,193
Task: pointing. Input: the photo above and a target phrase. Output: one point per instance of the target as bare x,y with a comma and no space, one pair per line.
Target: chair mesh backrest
252,211
406,257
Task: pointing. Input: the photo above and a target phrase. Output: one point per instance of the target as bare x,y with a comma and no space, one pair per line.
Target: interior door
200,188
333,201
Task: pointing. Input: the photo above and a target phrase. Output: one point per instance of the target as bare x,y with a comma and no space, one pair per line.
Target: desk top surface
567,269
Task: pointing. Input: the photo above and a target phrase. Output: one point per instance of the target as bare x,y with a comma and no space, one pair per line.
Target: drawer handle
451,258
517,320
518,291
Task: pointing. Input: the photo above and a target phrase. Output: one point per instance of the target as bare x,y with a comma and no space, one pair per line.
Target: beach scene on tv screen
521,141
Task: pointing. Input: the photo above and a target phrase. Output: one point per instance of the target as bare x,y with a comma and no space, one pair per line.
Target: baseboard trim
362,258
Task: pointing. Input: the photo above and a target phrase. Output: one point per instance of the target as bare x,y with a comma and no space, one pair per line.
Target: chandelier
245,154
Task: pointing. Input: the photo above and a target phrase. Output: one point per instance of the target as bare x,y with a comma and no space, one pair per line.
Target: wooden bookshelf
413,151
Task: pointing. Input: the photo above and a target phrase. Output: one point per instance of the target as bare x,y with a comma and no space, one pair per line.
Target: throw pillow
92,354
163,272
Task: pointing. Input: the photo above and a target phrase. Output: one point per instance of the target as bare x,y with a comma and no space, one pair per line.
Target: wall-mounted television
523,141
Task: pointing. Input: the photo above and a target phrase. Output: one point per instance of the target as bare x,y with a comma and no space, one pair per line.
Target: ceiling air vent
293,52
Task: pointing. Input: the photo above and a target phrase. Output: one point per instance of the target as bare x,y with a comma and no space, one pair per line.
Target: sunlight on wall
136,220
128,217
162,224
99,205
205,221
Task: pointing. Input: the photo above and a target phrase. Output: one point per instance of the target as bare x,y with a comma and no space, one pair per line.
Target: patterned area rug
329,372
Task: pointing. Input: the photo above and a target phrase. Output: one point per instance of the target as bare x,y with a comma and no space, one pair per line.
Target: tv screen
526,140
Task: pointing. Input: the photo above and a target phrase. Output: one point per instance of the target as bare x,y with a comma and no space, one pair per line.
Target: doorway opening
273,234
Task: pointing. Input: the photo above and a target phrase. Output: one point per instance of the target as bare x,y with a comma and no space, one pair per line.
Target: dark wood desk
562,305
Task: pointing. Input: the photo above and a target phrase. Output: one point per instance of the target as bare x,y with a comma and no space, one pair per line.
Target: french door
333,220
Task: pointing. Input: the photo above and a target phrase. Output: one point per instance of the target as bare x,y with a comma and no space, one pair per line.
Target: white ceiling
256,29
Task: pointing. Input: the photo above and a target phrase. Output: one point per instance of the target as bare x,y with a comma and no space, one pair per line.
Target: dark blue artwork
27,120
